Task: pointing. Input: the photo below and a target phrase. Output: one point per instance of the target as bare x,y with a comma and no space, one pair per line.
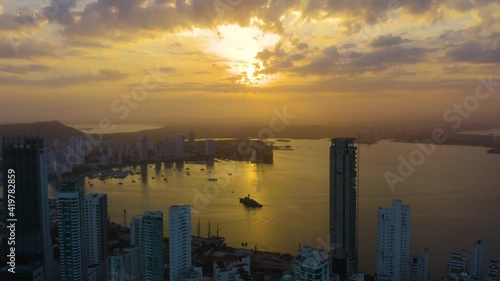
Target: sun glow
238,46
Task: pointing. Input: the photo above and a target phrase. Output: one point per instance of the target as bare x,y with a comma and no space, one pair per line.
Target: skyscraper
72,231
343,206
478,260
97,228
152,246
135,240
25,157
179,240
393,242
419,267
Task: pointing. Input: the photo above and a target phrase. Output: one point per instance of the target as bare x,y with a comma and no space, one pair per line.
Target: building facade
24,161
419,267
72,232
478,260
179,240
343,206
393,242
152,246
311,265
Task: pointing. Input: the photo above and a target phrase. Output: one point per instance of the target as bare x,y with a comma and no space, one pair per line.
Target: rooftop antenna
124,217
217,230
208,228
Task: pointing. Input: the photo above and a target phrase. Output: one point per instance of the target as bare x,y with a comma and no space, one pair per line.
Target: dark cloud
387,41
168,69
474,52
19,47
60,11
23,69
333,61
101,76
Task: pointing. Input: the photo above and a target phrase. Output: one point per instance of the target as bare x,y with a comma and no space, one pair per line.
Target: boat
494,151
133,180
212,179
120,183
250,202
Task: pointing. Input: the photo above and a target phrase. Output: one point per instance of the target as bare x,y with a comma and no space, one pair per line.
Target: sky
342,62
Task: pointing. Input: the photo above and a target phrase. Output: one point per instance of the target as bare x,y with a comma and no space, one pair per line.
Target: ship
250,202
494,151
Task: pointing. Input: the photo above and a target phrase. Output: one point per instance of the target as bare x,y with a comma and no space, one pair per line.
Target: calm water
453,197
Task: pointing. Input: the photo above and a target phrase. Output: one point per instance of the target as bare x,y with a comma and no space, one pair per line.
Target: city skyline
200,61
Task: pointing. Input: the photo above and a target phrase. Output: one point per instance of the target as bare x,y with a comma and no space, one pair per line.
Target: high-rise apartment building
179,240
152,246
72,232
25,163
419,267
343,206
393,242
96,206
478,260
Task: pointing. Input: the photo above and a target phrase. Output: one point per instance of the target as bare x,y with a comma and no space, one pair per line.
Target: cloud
20,47
474,52
168,69
387,41
23,69
70,80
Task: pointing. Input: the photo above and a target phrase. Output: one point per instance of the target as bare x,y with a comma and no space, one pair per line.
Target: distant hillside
49,131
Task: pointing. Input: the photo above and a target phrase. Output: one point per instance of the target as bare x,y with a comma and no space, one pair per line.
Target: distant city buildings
419,267
393,242
311,265
493,271
179,147
343,207
457,266
478,260
209,148
179,241
25,158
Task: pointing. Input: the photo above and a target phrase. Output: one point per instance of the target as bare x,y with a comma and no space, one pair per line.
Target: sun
238,47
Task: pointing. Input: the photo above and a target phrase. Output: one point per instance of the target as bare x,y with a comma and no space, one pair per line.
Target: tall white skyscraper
393,242
71,219
419,267
478,260
97,228
152,246
179,240
343,207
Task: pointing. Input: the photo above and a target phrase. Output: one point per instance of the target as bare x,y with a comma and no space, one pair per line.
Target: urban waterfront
453,198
